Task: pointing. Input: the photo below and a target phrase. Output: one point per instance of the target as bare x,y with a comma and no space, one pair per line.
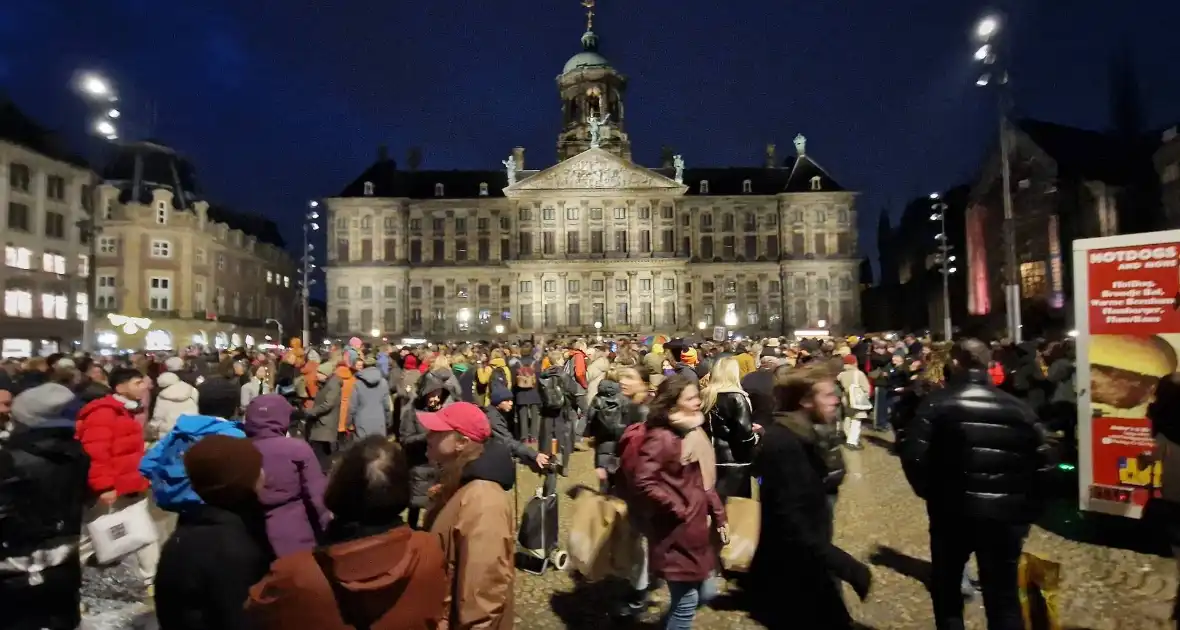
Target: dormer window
161,213
483,189
704,186
815,183
747,186
439,191
368,189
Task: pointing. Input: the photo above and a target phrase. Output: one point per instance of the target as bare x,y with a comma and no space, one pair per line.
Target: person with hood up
292,494
370,407
113,438
375,572
606,420
43,472
175,398
163,464
440,377
218,549
473,517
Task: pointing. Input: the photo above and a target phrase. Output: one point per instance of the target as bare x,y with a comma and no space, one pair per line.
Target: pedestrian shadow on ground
904,564
876,440
589,606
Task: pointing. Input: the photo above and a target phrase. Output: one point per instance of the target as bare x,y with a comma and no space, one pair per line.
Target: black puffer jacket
730,425
42,492
974,450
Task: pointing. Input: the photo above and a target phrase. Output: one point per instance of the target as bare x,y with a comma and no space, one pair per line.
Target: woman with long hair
471,514
729,423
674,487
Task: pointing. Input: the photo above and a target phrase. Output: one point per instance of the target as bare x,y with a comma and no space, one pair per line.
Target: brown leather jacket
477,530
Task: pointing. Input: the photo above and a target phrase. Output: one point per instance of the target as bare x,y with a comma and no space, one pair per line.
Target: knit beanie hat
849,359
223,470
500,394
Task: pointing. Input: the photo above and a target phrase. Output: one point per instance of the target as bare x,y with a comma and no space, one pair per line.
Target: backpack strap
347,613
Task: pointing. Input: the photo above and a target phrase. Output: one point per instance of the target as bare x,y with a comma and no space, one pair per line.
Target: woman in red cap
470,511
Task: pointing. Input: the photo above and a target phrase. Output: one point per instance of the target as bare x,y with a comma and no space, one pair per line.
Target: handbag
858,398
121,532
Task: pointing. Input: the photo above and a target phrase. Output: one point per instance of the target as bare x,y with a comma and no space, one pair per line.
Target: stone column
608,316
562,299
633,296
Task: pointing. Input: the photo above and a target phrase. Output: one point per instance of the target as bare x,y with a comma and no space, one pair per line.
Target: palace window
368,189
704,187
747,186
439,190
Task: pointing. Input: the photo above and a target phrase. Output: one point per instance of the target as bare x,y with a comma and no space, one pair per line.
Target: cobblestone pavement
880,521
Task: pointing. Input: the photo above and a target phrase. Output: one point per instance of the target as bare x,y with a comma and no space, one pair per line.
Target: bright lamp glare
114,113
95,85
951,259
105,127
315,226
313,216
935,216
983,80
987,27
952,269
934,195
314,204
983,52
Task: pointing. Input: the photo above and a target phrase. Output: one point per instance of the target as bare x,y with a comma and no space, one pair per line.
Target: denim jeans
686,598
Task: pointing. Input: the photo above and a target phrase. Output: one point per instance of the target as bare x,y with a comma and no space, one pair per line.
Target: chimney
666,156
414,158
382,153
518,157
771,161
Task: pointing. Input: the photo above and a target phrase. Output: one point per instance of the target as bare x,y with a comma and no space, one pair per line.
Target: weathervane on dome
589,4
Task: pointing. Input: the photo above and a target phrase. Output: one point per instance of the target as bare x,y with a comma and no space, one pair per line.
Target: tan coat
476,528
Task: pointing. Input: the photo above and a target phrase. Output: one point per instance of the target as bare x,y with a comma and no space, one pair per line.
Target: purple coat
293,494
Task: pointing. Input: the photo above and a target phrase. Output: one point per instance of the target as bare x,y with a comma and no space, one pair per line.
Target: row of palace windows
815,183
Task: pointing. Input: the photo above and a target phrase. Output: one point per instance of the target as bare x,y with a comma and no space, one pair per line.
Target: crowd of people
363,487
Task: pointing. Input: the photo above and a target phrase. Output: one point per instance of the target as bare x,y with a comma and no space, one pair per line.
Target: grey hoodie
369,407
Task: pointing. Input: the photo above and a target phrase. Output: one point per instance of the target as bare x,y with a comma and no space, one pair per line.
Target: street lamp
376,332
307,263
995,74
944,258
278,324
99,94
700,325
499,329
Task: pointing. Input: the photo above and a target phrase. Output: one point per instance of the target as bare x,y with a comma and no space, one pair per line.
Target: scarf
347,381
695,445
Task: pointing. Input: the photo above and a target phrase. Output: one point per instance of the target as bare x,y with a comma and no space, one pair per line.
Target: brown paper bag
601,543
1039,580
744,518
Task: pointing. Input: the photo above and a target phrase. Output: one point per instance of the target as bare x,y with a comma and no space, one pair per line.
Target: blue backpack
163,465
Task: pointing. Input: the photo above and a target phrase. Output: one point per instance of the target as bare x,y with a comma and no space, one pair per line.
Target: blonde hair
441,361
724,377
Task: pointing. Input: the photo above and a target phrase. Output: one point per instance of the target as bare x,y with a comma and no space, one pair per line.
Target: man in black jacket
978,456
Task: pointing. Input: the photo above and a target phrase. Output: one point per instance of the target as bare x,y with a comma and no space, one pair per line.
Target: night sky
280,101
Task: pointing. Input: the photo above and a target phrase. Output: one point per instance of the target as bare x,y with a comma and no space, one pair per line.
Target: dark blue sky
280,101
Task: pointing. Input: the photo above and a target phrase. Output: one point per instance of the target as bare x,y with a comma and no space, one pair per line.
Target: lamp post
279,325
307,263
99,95
945,258
995,74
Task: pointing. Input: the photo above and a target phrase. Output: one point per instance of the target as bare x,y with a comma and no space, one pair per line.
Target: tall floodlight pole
944,260
100,97
995,74
308,265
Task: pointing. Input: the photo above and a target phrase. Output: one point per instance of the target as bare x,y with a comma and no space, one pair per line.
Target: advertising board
1129,337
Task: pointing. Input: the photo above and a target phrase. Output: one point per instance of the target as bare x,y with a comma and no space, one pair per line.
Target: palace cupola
592,100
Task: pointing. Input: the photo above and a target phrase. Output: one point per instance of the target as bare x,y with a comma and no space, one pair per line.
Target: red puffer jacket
113,439
676,509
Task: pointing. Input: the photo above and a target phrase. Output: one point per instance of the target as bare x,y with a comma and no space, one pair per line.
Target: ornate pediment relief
595,170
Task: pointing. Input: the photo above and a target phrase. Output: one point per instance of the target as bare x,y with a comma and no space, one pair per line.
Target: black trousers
997,547
324,451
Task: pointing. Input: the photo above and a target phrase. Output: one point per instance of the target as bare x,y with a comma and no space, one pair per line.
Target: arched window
815,183
439,191
704,187
483,189
368,189
366,223
747,186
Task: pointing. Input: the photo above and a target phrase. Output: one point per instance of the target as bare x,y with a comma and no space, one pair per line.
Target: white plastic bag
121,533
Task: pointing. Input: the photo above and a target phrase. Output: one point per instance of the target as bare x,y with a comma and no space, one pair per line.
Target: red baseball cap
463,417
